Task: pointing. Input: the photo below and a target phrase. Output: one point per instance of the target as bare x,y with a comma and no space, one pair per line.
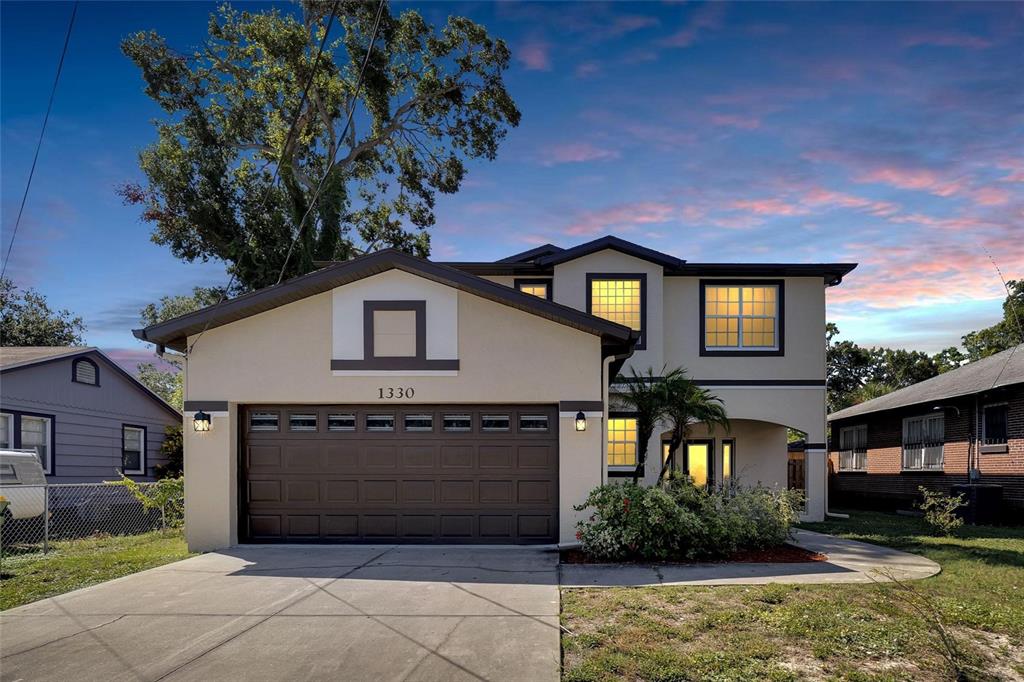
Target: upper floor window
853,448
620,298
85,371
541,288
741,317
994,428
622,442
923,438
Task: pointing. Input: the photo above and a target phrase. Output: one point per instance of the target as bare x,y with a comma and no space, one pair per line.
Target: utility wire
330,165
39,143
277,166
1013,311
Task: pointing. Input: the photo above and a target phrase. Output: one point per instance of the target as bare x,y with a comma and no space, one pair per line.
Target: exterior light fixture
581,421
201,422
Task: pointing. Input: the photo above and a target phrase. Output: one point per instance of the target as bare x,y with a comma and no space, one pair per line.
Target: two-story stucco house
394,399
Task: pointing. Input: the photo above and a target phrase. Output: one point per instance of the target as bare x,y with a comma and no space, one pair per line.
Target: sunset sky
887,134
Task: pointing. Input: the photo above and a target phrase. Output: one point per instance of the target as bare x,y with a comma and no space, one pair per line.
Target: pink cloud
733,121
535,55
920,179
991,196
576,152
773,207
707,17
947,40
819,197
624,217
629,23
587,69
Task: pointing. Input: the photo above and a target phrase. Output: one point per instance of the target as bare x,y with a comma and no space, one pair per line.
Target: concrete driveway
274,613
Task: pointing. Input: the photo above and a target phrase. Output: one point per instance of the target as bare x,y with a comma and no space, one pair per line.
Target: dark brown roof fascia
833,272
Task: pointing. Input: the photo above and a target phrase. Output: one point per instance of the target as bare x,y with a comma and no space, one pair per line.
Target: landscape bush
940,510
681,521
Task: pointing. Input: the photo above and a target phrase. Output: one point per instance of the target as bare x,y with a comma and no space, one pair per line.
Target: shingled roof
995,371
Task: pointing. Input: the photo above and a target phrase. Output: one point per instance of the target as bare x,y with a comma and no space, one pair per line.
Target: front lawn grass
837,632
73,564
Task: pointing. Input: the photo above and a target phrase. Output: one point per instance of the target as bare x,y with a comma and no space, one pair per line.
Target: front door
698,461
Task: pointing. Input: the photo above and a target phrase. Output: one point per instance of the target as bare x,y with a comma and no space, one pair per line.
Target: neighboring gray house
85,416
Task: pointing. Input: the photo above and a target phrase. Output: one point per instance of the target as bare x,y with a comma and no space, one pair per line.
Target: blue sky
889,134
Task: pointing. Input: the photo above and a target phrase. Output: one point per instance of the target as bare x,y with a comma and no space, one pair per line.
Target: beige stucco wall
571,290
804,334
283,356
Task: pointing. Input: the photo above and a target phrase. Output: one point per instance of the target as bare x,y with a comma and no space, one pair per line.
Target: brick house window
923,440
994,421
853,448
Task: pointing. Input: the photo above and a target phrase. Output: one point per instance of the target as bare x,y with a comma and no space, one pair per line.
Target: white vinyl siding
923,439
853,448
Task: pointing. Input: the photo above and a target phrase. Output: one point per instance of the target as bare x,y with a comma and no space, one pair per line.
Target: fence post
46,519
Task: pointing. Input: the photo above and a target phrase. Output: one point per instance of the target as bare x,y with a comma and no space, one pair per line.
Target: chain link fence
37,516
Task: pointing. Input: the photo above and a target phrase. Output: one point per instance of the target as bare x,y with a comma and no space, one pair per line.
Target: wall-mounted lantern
581,421
201,422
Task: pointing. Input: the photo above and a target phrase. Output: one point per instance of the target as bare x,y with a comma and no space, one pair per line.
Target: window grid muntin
853,448
540,290
741,316
618,300
622,444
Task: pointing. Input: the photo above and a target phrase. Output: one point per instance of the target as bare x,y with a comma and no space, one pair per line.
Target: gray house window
133,449
85,371
36,434
6,430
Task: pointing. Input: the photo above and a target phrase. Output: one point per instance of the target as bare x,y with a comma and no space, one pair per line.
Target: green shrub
682,521
166,495
940,510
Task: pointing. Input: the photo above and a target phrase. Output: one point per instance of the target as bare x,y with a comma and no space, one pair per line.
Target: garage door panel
350,484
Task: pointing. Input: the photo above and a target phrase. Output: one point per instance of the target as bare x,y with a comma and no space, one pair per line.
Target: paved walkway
302,613
848,562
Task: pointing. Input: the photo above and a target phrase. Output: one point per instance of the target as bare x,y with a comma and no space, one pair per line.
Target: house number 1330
399,392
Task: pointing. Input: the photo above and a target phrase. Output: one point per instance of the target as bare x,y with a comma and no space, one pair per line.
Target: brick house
964,426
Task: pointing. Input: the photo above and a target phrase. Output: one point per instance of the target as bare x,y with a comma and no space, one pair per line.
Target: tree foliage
687,403
172,449
430,101
1006,333
644,395
26,319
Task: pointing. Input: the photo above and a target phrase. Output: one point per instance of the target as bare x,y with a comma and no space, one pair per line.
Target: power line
330,165
298,110
39,143
277,166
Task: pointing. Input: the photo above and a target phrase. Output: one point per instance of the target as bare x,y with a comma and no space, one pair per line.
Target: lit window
540,289
741,317
728,454
302,422
35,435
618,300
263,421
853,448
923,440
394,333
993,429
133,448
622,442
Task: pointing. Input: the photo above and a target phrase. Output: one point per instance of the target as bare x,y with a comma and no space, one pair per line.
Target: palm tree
687,403
644,395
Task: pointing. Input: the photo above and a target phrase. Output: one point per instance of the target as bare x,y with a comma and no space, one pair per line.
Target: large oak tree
430,101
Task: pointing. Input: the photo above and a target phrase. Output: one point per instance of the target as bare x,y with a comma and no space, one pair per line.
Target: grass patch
79,563
789,632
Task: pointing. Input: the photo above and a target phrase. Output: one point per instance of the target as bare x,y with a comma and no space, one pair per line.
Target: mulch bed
783,554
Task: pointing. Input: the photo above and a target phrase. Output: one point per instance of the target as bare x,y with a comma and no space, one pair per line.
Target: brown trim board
418,307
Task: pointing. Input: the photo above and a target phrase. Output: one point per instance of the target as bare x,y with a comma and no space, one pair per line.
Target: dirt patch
783,554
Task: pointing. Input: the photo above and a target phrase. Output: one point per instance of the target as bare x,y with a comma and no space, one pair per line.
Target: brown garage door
430,473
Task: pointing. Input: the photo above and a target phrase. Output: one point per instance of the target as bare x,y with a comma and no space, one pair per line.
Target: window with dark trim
380,422
341,422
85,371
394,329
457,422
6,430
30,431
622,441
494,422
620,297
541,288
304,421
853,448
533,422
133,449
742,317
263,421
994,421
728,458
418,422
